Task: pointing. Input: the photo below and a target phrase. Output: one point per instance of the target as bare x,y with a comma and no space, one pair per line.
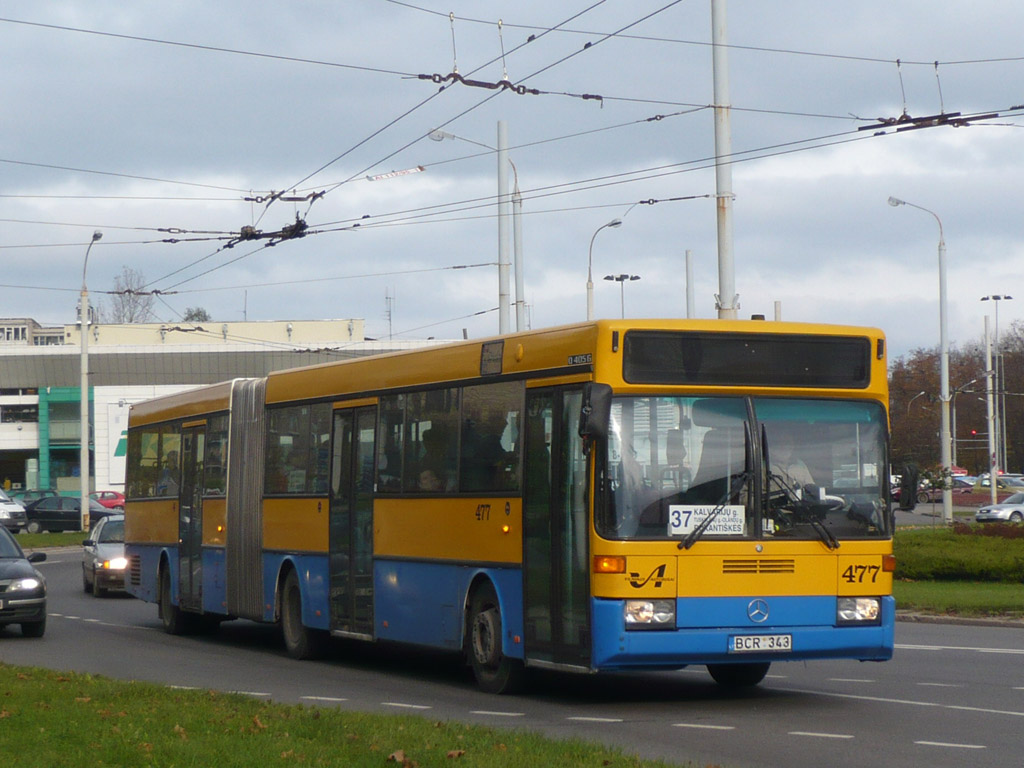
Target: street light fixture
83,458
911,401
945,438
614,224
621,280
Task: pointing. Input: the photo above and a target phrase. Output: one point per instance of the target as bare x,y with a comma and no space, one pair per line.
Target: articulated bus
613,495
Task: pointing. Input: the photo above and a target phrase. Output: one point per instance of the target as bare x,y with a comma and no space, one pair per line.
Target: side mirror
596,410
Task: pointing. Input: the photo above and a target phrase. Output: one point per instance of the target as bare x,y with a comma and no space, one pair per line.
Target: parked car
109,499
27,497
1009,510
935,494
103,561
62,513
12,513
23,594
1003,482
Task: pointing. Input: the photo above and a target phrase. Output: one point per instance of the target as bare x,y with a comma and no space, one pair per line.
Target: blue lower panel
215,594
313,581
810,621
149,561
423,603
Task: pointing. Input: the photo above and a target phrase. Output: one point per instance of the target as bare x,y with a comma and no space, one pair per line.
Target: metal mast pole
503,221
727,298
83,456
990,413
517,255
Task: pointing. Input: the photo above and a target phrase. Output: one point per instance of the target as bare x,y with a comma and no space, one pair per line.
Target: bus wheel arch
175,622
494,671
300,641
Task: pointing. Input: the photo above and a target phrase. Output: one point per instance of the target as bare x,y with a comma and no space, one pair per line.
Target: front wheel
34,628
494,671
1016,517
738,675
33,527
300,641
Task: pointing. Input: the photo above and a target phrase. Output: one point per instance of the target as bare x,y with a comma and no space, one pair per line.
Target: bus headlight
650,614
858,610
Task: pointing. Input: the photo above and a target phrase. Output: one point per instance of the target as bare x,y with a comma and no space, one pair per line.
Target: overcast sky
154,120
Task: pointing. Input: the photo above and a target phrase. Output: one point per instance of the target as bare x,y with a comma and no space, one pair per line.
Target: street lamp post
614,224
911,401
83,460
1000,397
621,280
945,436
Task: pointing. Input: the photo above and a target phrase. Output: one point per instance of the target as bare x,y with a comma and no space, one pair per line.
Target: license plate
760,643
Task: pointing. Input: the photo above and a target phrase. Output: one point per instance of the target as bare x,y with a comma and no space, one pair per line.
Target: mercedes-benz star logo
757,611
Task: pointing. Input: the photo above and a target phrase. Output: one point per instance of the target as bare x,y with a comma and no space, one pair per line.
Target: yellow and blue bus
613,495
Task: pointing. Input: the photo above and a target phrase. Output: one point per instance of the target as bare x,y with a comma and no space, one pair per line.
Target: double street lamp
83,458
999,389
621,280
945,438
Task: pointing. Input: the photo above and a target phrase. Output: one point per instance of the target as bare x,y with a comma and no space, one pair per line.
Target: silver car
103,561
1009,510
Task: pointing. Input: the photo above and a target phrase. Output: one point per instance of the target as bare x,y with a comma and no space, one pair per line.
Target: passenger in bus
435,469
167,484
483,457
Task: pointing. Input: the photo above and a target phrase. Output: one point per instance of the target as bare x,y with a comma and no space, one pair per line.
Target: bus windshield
782,468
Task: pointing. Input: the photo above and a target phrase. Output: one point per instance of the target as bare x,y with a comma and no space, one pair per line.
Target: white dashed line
705,727
813,735
950,746
940,685
403,706
496,714
595,719
258,694
849,680
331,699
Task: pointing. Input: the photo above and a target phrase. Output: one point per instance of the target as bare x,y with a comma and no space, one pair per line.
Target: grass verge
53,718
45,540
960,598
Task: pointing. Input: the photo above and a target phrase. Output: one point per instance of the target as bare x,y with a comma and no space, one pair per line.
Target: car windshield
112,532
8,546
759,467
4,496
1016,498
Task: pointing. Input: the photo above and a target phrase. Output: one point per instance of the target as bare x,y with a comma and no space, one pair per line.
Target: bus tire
174,619
300,641
494,671
738,675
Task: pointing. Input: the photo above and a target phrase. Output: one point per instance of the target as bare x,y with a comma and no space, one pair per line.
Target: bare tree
129,304
196,315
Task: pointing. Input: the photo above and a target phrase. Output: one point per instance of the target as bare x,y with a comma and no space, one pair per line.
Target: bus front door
350,539
190,519
556,573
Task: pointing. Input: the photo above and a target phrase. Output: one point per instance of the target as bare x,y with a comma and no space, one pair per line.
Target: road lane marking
941,685
259,694
908,702
702,726
496,714
331,699
1012,651
403,706
595,719
849,680
950,746
821,735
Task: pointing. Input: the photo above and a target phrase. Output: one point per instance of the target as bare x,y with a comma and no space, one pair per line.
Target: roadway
954,694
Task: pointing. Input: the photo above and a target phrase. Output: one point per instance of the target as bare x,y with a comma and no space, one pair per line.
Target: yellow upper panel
182,405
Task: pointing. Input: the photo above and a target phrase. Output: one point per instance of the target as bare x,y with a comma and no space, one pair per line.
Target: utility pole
727,299
504,206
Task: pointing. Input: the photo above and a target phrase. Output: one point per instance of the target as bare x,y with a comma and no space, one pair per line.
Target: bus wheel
300,641
738,675
173,618
494,672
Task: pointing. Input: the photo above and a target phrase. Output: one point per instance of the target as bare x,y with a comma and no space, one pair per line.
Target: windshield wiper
745,476
803,510
696,533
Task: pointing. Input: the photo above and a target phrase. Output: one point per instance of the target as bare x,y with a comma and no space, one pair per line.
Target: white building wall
111,423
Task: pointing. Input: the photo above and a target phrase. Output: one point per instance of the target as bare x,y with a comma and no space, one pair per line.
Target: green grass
52,718
960,598
44,540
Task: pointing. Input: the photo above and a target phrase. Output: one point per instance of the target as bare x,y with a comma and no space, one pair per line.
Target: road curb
976,621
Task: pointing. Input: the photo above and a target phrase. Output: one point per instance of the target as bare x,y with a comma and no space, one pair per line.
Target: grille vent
758,565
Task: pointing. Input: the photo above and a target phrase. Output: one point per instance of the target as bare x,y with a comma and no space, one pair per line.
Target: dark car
62,513
103,561
22,588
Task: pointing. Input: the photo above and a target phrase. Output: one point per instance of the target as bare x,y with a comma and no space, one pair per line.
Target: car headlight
858,610
650,614
28,583
115,564
4,514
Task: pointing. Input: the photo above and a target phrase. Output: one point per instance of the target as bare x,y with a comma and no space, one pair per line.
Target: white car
1009,510
12,514
103,561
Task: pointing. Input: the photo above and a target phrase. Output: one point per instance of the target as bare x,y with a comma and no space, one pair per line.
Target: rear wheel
33,527
300,641
738,675
174,619
494,671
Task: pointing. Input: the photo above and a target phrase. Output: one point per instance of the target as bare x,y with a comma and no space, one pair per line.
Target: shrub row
993,553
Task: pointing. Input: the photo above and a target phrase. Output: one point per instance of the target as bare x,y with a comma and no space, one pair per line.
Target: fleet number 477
859,574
